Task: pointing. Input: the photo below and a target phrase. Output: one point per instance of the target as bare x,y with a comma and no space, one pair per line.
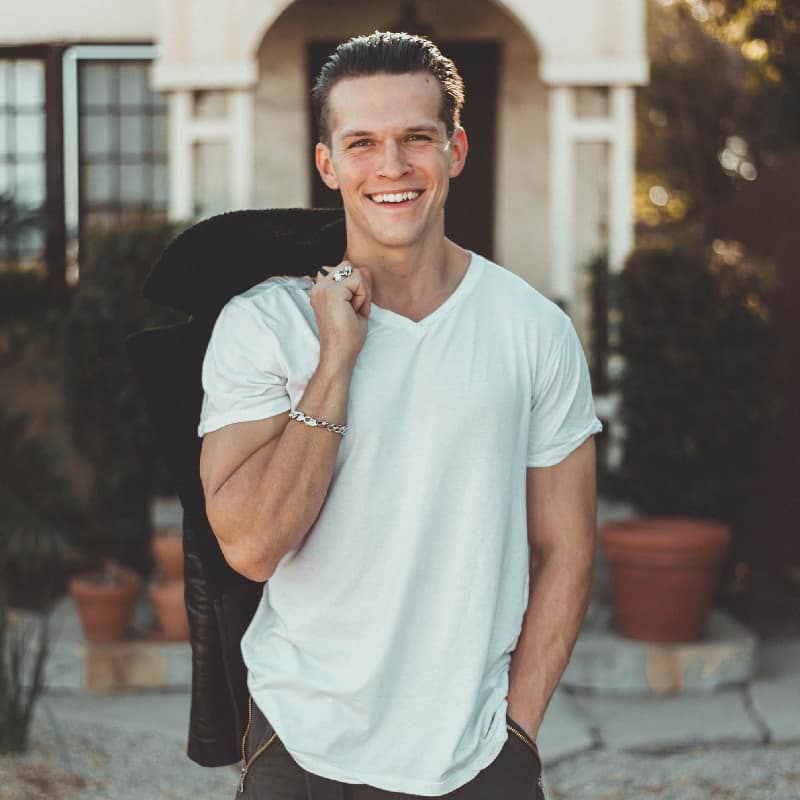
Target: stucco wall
283,150
88,21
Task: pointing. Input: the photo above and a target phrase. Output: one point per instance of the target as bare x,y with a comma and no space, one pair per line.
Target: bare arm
562,511
265,481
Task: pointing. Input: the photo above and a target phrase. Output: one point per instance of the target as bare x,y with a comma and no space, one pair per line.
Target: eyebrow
350,134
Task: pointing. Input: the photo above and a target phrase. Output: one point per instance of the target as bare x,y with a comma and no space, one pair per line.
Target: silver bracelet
313,422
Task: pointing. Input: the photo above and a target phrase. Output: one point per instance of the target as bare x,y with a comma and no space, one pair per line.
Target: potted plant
105,409
105,599
167,590
694,332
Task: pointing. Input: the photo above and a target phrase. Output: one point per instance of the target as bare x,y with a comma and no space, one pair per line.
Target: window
22,163
122,143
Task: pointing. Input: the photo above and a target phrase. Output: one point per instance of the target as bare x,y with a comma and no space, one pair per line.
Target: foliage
21,674
106,411
695,331
39,516
723,100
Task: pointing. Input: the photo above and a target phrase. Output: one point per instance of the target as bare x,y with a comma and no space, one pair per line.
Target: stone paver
656,723
604,661
565,730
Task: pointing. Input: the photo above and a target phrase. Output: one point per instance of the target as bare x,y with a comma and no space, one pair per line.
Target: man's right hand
342,309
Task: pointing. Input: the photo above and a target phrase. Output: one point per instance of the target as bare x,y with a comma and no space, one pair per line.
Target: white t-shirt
381,647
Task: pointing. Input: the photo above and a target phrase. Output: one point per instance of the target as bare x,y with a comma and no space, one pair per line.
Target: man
424,518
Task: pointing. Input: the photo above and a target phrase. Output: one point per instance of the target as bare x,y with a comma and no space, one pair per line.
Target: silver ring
341,274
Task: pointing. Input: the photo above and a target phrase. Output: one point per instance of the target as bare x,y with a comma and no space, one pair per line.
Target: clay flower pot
170,609
105,600
168,552
663,574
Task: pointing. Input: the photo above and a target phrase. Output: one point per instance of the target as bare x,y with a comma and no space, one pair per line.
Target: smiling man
402,448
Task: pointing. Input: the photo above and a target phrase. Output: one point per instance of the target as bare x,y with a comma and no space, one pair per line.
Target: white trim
207,130
622,168
592,129
228,75
562,193
242,147
598,72
180,157
69,83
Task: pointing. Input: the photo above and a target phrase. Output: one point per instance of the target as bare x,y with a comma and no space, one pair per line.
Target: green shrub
40,516
695,334
105,409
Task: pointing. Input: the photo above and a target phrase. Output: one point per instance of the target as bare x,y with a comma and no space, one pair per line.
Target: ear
322,158
458,151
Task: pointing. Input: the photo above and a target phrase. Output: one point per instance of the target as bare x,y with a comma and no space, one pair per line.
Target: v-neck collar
386,317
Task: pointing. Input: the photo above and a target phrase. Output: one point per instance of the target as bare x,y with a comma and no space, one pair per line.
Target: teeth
395,198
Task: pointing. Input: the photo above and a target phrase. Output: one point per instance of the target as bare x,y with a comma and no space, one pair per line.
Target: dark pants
272,774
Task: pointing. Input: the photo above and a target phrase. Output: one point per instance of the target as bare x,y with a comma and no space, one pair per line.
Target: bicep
562,502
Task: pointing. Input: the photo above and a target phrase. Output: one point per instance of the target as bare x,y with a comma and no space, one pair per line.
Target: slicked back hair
386,52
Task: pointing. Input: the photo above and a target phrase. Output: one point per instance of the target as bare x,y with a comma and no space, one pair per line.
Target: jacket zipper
245,763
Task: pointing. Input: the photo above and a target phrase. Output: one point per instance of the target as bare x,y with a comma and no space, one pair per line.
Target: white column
242,149
181,173
562,193
622,177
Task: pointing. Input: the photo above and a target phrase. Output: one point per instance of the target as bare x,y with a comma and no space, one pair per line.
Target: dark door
469,219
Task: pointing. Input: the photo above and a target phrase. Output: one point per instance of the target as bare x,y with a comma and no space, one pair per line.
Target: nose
393,163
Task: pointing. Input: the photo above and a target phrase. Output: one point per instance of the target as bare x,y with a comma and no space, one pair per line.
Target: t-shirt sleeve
243,377
563,413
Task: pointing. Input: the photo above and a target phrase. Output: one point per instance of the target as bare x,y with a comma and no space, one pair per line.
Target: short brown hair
394,54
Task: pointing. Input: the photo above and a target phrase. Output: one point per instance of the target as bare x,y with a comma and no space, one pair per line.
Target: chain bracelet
314,422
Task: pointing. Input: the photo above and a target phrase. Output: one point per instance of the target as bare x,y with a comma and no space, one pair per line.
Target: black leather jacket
198,273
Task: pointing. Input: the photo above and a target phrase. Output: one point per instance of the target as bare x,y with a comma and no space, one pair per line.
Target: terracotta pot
170,609
168,552
105,608
663,574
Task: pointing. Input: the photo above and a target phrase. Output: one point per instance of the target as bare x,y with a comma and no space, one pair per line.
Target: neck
403,277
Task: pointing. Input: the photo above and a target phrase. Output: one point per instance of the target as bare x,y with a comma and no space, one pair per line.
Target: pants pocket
257,739
521,741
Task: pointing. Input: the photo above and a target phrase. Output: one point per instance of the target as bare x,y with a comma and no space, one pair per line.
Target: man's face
390,157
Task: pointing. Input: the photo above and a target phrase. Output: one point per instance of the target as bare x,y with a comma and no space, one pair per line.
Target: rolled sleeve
563,413
243,375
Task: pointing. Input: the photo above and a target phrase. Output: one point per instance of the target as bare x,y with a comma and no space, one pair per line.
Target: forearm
560,589
274,497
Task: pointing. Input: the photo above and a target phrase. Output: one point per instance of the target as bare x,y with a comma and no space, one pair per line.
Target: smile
395,198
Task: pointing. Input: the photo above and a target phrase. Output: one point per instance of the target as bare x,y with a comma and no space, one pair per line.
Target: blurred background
637,161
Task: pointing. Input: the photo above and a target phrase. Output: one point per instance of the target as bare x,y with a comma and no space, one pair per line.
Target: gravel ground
105,763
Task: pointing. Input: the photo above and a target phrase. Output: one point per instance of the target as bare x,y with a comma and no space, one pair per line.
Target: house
184,108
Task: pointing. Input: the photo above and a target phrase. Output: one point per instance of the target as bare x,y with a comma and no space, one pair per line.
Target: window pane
133,186
160,134
133,87
97,135
5,178
29,89
100,183
96,84
5,77
133,135
160,101
30,185
4,143
160,186
30,134
30,240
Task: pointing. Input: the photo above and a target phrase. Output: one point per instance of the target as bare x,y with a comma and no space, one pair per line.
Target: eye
358,143
419,137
